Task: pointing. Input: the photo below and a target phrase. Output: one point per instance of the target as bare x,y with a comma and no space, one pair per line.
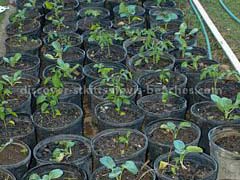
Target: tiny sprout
12,61
124,139
91,12
117,171
164,76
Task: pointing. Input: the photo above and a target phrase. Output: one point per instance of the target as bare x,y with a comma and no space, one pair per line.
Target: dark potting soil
109,114
162,136
15,28
25,45
72,39
226,88
79,150
68,115
77,74
110,145
17,99
134,48
194,171
20,128
99,55
155,81
118,23
66,28
19,66
159,107
230,143
68,15
143,174
12,154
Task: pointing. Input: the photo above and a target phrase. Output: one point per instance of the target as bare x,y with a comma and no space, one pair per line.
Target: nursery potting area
122,90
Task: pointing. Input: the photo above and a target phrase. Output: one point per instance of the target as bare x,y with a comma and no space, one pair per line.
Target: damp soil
120,22
143,174
195,170
159,135
79,150
26,27
68,27
69,114
230,143
109,145
15,42
68,15
108,113
30,14
17,98
12,154
134,47
98,55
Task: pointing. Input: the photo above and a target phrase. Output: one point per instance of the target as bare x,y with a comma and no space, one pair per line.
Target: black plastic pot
20,4
23,130
155,11
150,4
138,164
117,48
12,47
118,23
195,51
193,77
76,40
33,61
13,28
170,26
70,27
84,162
104,13
138,12
199,160
156,148
91,73
19,168
75,127
30,13
68,5
110,4
138,156
69,16
110,123
95,88
225,88
6,174
177,82
69,170
167,60
84,25
179,112
205,123
228,161
92,3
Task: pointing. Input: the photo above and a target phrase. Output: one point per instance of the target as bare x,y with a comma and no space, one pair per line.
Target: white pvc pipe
232,57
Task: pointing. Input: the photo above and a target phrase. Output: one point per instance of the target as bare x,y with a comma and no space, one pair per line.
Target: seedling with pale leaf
13,60
53,174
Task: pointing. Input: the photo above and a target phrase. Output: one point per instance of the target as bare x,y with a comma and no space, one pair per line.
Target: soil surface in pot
20,128
134,47
230,143
16,99
72,39
118,23
109,114
15,42
110,146
98,55
68,115
79,150
194,170
26,26
12,154
162,136
103,175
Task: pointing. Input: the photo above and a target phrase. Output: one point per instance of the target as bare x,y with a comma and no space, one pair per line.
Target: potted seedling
120,144
214,80
53,117
55,171
150,4
105,50
153,83
166,104
128,15
23,44
94,13
126,170
65,148
15,156
25,13
91,3
32,4
176,164
66,5
224,142
117,87
219,111
152,59
161,134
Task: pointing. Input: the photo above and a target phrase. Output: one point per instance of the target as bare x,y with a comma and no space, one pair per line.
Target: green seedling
54,80
93,13
117,171
182,151
4,111
159,2
30,4
13,80
63,151
59,23
66,69
128,11
13,60
23,150
227,106
4,90
166,95
183,32
194,64
103,71
53,174
165,16
183,46
164,76
124,139
58,50
19,18
49,101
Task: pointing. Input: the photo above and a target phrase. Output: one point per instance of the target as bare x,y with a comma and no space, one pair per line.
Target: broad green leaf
108,162
131,167
194,149
56,173
179,146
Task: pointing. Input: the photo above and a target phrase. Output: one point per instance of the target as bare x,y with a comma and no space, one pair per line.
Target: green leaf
185,125
163,165
56,173
179,146
49,5
108,162
34,177
131,167
115,172
193,31
41,99
194,149
49,56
